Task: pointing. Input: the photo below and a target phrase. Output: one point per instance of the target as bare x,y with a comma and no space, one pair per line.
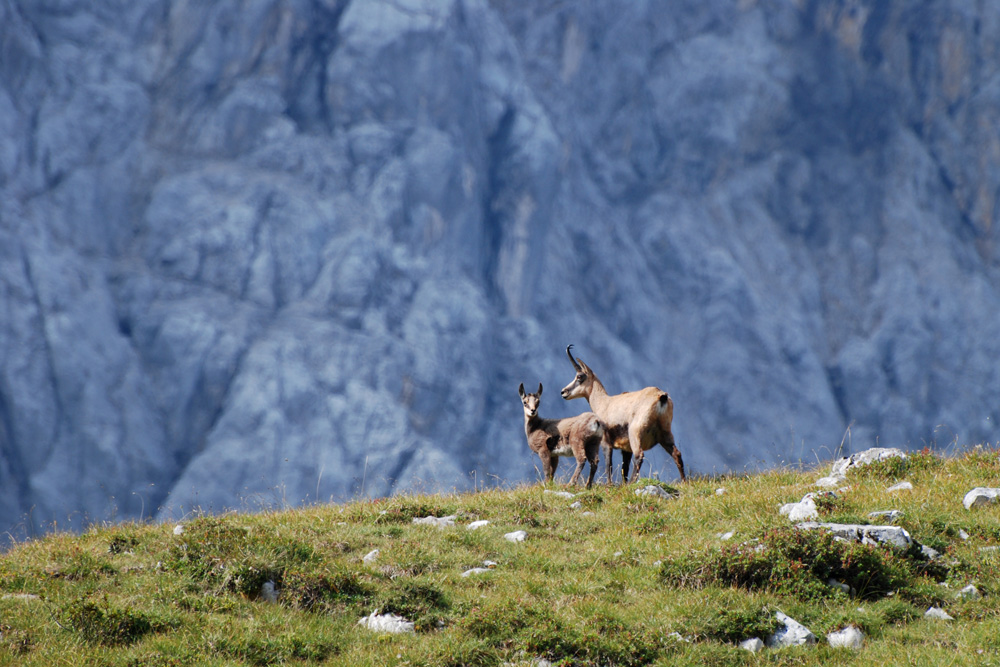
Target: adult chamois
635,421
579,437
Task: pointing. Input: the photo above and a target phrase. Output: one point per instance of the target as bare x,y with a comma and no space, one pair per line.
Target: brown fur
579,436
636,421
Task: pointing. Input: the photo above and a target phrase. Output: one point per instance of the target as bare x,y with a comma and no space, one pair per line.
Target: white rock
490,563
753,644
727,536
678,637
440,522
577,505
19,596
516,536
720,492
371,556
970,592
980,496
805,510
962,534
475,570
850,637
476,525
793,634
587,514
864,458
386,623
560,494
937,612
787,508
892,535
268,592
653,490
831,482
929,553
178,529
888,515
902,486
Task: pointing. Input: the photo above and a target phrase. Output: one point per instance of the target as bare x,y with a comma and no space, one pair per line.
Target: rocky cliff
280,251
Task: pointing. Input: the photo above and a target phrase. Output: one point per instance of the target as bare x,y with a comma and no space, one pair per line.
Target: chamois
579,436
635,421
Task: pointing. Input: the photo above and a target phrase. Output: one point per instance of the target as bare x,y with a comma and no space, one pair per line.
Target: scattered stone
831,482
929,552
888,515
864,458
963,535
678,637
991,549
970,592
653,490
386,623
19,596
980,496
475,570
268,592
561,494
804,510
440,522
850,637
516,536
833,583
490,564
720,492
753,644
577,505
587,514
793,634
892,535
727,536
178,529
902,486
938,613
371,556
476,525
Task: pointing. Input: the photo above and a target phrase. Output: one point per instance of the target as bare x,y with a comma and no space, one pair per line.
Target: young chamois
579,436
635,421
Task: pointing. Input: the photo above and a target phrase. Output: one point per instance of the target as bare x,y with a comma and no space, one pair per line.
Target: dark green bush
794,562
267,649
322,590
101,622
423,604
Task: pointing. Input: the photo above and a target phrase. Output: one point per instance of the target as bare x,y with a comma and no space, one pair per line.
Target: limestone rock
980,497
754,644
867,457
390,623
849,637
792,634
892,535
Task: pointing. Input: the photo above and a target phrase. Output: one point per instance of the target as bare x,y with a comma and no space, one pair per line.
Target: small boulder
440,522
268,592
938,613
852,532
980,496
178,529
902,486
653,490
830,482
560,494
475,570
970,592
850,637
792,634
386,623
887,515
516,536
753,644
864,458
476,525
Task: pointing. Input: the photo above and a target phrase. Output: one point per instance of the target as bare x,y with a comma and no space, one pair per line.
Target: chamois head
583,383
530,401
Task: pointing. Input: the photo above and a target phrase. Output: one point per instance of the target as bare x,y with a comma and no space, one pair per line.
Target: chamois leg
608,451
576,473
635,441
626,462
672,448
549,464
591,453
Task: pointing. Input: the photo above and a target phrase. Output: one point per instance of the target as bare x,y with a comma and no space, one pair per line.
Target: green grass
610,588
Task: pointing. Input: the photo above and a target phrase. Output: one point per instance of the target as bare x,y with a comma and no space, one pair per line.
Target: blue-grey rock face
284,251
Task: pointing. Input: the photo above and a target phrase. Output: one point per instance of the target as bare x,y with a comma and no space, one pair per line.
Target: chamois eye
580,377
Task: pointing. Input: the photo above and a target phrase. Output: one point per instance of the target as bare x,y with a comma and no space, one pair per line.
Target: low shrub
423,604
101,622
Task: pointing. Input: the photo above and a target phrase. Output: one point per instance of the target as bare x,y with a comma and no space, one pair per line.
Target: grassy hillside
605,588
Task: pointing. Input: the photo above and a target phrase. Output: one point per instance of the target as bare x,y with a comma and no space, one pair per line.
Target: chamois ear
520,390
539,389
